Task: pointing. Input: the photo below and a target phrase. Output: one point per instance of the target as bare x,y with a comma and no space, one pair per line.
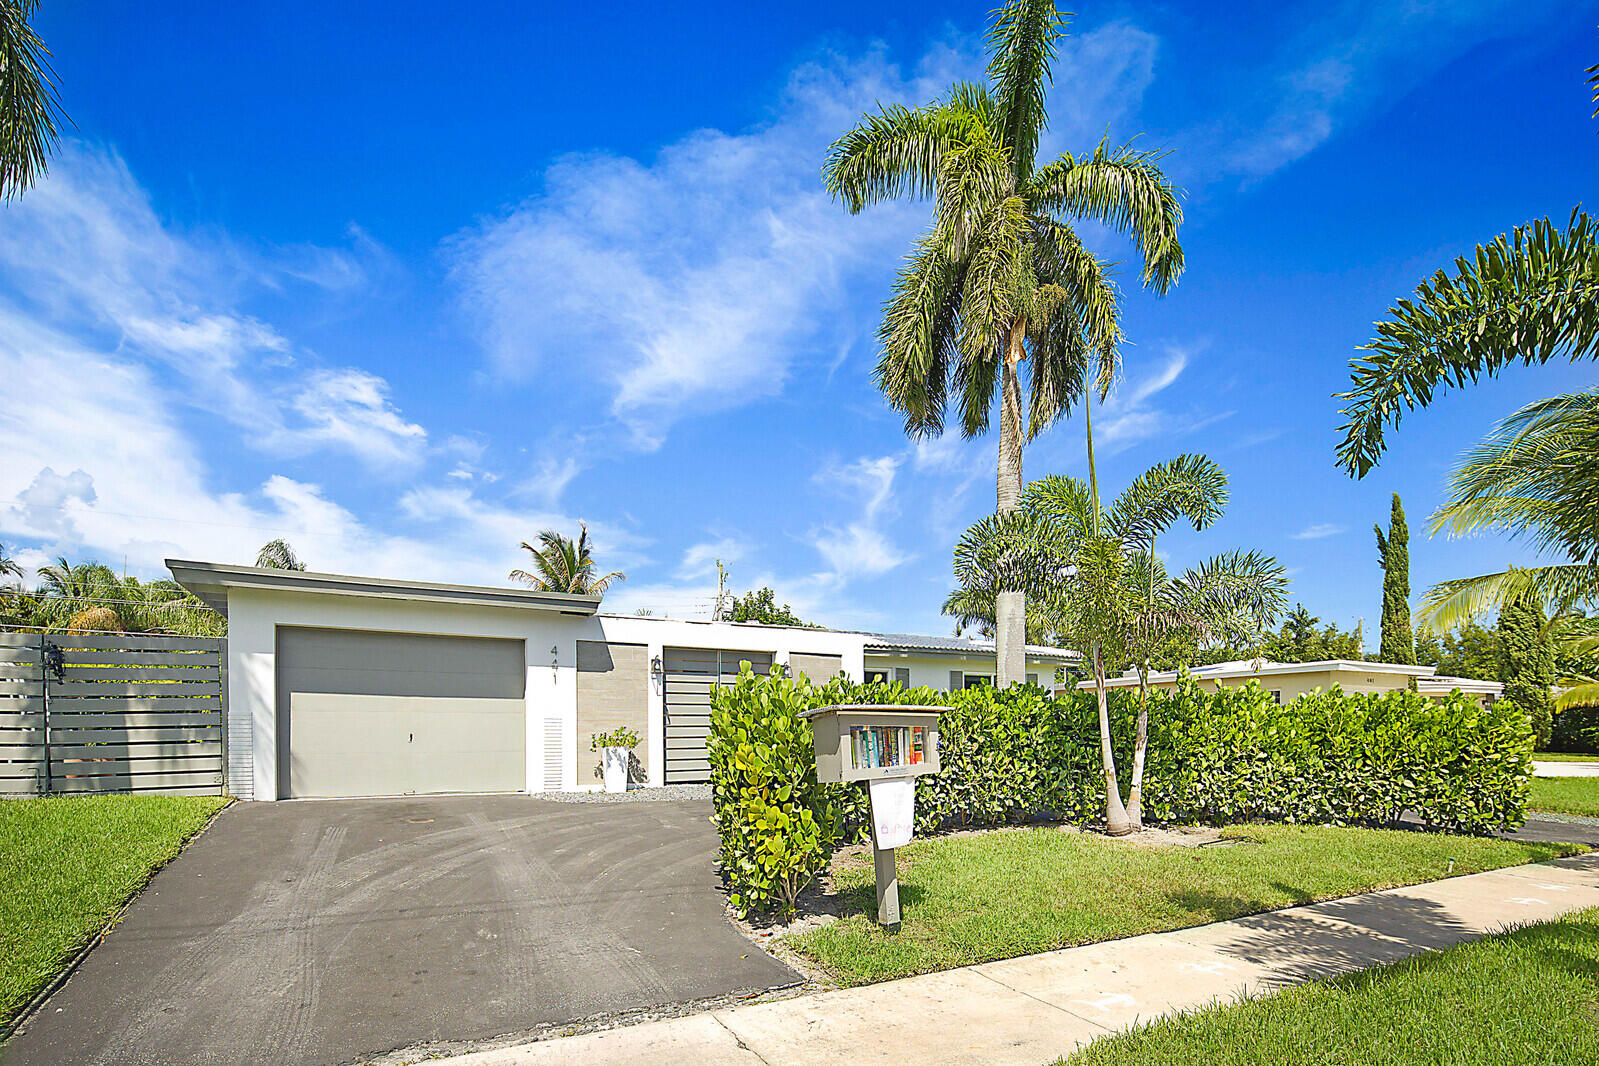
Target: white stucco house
356,686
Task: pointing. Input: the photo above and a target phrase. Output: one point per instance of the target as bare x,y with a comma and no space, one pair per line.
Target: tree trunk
1135,794
1010,607
1117,824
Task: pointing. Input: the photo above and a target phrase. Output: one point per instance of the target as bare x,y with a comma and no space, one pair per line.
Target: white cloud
1377,52
86,253
1130,416
703,278
351,408
1317,531
860,548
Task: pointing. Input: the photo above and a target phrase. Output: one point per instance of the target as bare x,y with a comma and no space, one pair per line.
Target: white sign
893,811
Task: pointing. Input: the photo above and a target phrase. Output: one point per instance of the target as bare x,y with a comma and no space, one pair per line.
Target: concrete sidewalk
1565,769
1030,1010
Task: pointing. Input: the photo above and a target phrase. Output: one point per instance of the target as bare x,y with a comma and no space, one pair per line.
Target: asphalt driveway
330,931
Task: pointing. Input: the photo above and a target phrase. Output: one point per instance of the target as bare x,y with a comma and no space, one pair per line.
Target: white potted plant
616,755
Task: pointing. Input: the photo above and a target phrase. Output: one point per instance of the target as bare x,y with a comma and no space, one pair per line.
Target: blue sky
406,287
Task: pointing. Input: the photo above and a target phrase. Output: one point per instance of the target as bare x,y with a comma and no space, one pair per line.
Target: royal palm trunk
1010,606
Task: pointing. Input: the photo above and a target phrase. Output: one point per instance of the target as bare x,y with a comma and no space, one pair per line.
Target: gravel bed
632,795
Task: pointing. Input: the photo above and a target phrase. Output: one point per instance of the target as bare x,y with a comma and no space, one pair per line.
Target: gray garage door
690,673
389,714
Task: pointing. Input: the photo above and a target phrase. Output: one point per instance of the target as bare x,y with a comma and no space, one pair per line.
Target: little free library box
860,742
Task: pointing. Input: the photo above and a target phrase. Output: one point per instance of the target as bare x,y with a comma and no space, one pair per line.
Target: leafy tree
9,567
1001,278
760,605
1529,662
1472,650
29,106
1537,477
1302,639
561,564
1398,642
276,554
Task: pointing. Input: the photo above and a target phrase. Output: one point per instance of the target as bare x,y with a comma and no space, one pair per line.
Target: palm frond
1125,190
1583,695
1023,44
561,564
1189,486
276,554
29,106
1527,298
897,152
919,334
1537,476
1451,604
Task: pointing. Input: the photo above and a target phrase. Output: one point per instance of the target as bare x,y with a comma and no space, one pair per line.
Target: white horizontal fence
126,714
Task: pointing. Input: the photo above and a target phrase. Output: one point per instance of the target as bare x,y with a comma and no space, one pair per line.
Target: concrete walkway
1030,1010
1562,768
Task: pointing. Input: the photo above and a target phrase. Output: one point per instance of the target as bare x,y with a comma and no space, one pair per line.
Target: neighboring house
951,663
1288,681
356,686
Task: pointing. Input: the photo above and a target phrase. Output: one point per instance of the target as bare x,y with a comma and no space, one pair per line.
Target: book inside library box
864,743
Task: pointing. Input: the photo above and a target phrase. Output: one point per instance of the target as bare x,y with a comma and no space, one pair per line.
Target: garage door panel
371,714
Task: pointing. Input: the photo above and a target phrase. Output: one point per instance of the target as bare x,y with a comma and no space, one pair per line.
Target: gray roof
908,642
211,581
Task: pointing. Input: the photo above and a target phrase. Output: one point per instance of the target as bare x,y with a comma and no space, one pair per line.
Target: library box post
886,746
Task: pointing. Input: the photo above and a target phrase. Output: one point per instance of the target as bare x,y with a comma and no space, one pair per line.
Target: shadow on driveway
329,931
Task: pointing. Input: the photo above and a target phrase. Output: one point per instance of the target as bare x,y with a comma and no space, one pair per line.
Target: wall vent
554,754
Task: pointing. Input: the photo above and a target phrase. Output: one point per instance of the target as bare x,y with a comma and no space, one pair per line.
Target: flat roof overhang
903,651
211,582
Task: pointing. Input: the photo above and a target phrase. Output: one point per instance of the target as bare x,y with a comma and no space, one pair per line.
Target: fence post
44,707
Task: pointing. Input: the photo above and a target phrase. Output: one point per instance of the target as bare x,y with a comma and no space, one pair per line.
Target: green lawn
1514,999
67,863
1565,795
1562,756
977,897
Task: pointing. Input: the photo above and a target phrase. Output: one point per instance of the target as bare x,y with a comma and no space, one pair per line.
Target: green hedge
1020,754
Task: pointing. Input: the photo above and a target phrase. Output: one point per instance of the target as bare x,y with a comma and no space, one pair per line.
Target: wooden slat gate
690,674
125,713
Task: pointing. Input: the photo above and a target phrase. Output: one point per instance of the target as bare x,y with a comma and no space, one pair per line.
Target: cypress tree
1529,664
1398,642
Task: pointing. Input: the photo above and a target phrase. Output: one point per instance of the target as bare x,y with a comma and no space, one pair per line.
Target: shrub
777,824
1006,756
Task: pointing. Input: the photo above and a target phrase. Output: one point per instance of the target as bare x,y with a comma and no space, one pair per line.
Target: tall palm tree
1537,477
29,106
561,564
276,554
1000,278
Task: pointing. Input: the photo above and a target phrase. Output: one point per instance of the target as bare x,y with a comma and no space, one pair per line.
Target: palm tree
276,554
29,106
1097,576
1536,476
1001,278
563,565
91,596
